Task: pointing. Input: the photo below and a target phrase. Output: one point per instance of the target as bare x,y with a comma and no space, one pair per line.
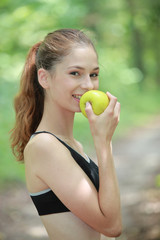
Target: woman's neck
58,121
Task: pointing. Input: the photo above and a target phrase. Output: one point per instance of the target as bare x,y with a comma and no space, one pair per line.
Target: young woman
75,199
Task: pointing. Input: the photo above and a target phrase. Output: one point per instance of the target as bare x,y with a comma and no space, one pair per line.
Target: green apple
98,99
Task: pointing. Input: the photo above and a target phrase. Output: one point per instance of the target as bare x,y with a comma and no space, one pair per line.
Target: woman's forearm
109,196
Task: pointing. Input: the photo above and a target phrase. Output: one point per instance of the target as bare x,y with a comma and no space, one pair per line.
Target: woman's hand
104,125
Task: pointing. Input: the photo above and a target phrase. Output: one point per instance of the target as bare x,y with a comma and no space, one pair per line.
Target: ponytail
28,105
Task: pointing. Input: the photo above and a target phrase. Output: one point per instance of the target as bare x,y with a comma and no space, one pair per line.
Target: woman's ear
43,78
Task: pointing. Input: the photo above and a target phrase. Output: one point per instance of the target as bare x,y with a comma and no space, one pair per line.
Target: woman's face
76,74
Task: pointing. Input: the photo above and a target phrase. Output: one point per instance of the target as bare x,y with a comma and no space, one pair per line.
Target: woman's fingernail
87,104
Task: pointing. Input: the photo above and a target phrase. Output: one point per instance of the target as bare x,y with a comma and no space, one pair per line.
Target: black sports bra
46,202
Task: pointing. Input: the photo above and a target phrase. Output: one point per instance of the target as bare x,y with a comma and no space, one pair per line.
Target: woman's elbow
114,231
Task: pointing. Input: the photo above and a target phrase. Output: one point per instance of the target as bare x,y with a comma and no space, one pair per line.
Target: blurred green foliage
126,34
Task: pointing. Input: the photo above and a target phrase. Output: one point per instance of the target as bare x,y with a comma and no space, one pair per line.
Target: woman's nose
87,83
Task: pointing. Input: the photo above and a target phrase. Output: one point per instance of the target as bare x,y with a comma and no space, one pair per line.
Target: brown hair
29,102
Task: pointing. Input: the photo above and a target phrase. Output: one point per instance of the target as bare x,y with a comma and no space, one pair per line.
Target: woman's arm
102,129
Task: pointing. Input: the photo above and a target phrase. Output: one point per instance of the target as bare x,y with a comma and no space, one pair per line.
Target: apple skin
98,99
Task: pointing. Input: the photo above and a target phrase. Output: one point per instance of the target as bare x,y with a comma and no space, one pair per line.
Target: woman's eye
74,73
94,75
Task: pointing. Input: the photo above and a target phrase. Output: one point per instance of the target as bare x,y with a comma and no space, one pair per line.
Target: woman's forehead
80,56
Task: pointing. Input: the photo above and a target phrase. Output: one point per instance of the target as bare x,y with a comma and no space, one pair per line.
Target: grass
136,109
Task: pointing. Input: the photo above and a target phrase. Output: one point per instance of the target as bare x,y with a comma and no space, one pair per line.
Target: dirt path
138,163
137,159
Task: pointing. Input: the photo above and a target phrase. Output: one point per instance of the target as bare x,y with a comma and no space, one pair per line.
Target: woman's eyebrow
82,68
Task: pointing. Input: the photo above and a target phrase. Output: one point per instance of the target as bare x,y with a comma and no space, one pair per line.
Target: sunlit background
126,34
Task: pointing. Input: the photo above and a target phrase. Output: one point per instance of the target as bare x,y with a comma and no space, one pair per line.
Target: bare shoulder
41,145
39,140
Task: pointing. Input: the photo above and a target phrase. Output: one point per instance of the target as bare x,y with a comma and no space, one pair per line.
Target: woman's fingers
89,110
117,111
112,102
113,109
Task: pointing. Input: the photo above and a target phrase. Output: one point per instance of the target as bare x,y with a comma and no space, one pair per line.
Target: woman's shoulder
43,143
